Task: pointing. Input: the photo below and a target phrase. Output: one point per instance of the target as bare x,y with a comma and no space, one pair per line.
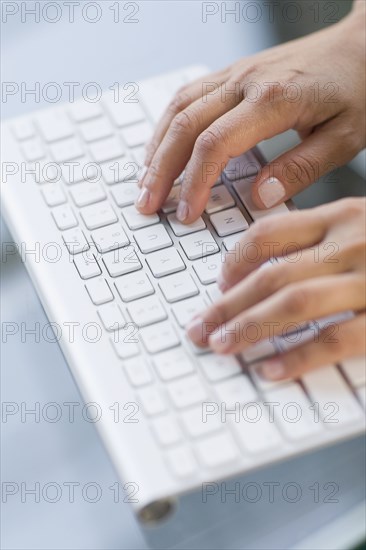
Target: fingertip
268,193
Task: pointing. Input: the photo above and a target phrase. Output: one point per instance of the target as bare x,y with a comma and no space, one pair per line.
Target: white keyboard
129,283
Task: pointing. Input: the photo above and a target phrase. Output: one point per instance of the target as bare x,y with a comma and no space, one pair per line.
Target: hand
322,273
314,85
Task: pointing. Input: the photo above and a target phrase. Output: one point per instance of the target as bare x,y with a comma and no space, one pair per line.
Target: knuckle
211,140
182,123
296,301
301,169
179,102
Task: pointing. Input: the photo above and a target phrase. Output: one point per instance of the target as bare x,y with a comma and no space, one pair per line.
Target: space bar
243,189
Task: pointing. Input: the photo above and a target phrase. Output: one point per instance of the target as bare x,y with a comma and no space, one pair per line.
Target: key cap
135,220
137,134
121,261
132,287
355,370
54,125
87,265
181,462
32,150
219,367
84,110
242,167
337,405
159,337
208,269
178,287
138,372
110,238
262,383
243,189
23,129
53,194
99,291
229,221
87,193
152,238
44,171
75,241
151,401
232,242
180,229
97,128
185,311
124,170
123,113
214,293
166,430
139,155
216,450
237,389
98,215
80,170
187,391
111,316
197,423
165,262
146,311
173,364
171,203
106,149
66,149
253,430
125,342
64,217
125,193
199,245
219,199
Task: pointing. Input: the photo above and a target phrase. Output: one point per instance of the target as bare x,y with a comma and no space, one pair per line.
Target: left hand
322,273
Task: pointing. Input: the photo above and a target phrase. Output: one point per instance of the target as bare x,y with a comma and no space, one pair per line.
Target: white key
180,229
137,134
106,149
66,149
173,364
125,169
87,265
216,450
125,193
237,389
171,203
178,287
99,291
181,462
165,262
135,220
337,405
159,337
23,129
293,414
146,311
214,293
64,217
187,391
361,393
184,311
166,430
152,238
219,367
199,245
243,189
139,154
87,193
84,110
80,170
208,269
111,316
121,261
197,423
44,171
219,199
95,129
125,342
123,113
54,125
196,349
229,221
355,370
110,238
132,287
98,215
53,194
138,372
75,240
264,348
232,242
242,167
151,400
32,150
254,431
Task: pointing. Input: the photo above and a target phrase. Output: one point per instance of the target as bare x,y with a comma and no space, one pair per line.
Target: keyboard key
66,149
97,128
106,149
124,342
121,261
262,383
197,423
219,367
171,203
199,245
110,238
132,287
214,293
237,389
111,316
80,170
152,238
135,220
99,291
84,110
87,265
44,171
165,262
138,372
178,287
186,310
98,215
355,370
151,401
32,150
64,217
166,430
54,125
124,170
137,134
216,450
232,241
254,431
181,462
125,193
87,193
75,240
23,128
146,311
53,194
208,269
123,113
244,166
229,221
159,337
173,364
243,189
187,391
180,229
219,199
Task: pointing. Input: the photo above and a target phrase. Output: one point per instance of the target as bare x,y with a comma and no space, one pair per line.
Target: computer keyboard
129,284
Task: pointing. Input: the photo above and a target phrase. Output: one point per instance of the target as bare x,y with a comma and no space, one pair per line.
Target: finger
322,151
297,303
328,348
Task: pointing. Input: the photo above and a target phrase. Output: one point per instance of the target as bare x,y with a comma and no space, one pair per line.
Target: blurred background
164,36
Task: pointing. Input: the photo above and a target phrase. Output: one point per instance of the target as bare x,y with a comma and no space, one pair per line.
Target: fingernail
271,191
194,329
182,211
143,198
271,370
